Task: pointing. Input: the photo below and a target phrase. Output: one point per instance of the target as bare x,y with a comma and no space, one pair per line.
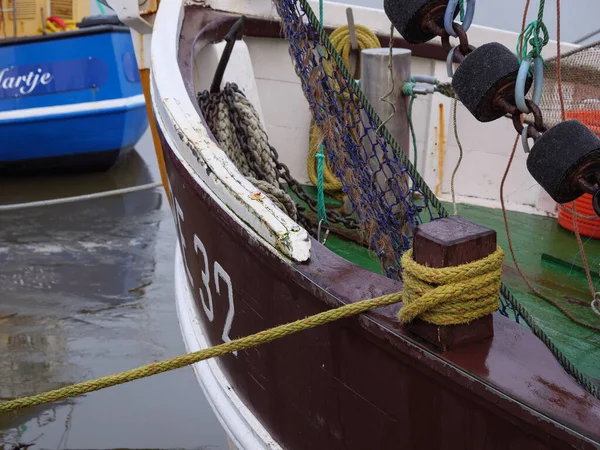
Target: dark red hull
363,382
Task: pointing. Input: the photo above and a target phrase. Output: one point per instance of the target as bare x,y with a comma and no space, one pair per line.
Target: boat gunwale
210,162
389,331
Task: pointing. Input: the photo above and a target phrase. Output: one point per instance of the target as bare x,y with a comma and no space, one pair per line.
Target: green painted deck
549,256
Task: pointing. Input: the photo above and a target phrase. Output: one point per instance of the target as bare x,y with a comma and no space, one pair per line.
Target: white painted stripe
178,119
101,105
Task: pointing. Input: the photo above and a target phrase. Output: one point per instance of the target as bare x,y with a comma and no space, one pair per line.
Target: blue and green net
387,195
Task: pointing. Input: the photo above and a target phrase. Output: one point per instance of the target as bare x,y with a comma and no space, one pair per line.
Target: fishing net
580,82
387,195
386,192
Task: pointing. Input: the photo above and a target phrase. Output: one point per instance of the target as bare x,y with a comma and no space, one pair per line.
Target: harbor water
86,290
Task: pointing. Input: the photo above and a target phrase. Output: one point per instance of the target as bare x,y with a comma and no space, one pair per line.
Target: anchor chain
208,105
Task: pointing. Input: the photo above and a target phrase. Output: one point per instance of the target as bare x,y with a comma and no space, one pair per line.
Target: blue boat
69,101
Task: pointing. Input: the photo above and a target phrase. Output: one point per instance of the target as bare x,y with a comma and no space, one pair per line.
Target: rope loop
530,36
451,295
408,89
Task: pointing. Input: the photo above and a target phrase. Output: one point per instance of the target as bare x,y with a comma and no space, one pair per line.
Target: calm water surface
86,290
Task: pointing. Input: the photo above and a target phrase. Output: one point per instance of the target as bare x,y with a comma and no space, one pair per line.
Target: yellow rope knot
451,295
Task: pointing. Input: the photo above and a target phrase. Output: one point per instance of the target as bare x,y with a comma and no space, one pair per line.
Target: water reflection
105,243
65,265
86,290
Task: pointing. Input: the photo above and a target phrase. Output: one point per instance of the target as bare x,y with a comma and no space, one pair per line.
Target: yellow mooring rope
185,360
444,296
451,295
340,38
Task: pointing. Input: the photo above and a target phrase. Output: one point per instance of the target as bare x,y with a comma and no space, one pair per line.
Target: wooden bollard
448,242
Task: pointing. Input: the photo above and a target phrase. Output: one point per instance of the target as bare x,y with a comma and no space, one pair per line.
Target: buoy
412,18
562,157
583,207
486,76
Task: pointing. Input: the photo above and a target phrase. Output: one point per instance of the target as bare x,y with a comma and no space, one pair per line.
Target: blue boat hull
69,101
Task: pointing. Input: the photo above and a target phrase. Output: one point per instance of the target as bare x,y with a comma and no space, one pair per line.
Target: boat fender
94,21
485,81
417,20
565,161
58,21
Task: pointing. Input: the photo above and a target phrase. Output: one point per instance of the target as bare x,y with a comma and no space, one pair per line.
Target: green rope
461,5
445,89
535,35
321,211
362,100
101,7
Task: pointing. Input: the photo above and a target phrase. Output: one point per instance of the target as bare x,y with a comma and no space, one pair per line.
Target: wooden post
445,243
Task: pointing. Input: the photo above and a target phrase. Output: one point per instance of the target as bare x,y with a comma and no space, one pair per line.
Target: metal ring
469,15
445,41
524,136
319,230
538,83
538,120
538,80
449,16
463,45
423,88
517,123
520,85
429,79
449,62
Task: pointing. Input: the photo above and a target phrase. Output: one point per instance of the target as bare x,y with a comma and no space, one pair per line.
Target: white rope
59,201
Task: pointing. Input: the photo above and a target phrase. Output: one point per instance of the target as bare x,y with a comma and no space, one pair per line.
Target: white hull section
242,427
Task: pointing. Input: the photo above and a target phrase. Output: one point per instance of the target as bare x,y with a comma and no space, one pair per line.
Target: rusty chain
536,127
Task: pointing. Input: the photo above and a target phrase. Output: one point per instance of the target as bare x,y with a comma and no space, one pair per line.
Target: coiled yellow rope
340,38
451,295
191,358
52,27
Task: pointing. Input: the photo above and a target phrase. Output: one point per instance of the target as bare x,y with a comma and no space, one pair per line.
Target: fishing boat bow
244,265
